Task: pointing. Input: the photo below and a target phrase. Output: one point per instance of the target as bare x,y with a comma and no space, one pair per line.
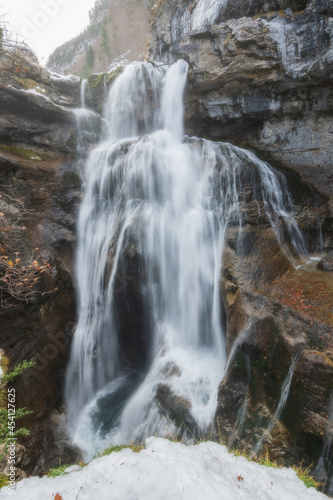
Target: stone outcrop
326,263
36,106
259,74
275,313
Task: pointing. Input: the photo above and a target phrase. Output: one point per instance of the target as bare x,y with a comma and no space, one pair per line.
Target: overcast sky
46,24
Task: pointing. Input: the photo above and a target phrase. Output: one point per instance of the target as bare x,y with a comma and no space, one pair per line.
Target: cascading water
283,401
88,122
151,233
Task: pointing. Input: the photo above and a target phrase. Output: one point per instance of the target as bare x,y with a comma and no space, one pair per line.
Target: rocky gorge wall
260,76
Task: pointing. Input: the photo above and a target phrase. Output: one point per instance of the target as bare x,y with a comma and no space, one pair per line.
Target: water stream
324,466
282,402
151,233
88,122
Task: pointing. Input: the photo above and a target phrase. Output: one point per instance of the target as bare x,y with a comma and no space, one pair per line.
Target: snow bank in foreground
164,471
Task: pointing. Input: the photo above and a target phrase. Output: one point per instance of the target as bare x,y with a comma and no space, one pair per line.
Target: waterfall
149,341
282,402
88,122
85,92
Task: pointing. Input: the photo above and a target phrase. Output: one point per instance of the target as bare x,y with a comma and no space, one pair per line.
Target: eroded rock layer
260,73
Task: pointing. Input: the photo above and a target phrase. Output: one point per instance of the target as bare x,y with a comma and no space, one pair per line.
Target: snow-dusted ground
165,471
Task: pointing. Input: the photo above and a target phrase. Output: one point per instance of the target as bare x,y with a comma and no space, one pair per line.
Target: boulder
326,263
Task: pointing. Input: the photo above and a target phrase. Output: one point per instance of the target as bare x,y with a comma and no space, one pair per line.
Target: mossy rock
29,84
27,154
97,83
96,79
111,76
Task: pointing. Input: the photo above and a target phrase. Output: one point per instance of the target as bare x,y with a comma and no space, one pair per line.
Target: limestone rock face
33,110
259,74
274,317
40,188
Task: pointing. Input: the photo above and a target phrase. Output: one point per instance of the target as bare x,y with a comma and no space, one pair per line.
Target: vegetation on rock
8,428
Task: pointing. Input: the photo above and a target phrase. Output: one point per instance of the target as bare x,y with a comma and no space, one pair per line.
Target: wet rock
38,107
60,448
267,328
178,409
99,85
310,392
326,263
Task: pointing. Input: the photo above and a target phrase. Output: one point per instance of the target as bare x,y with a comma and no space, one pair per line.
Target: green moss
115,449
136,448
25,153
96,79
111,76
262,363
28,84
240,360
3,481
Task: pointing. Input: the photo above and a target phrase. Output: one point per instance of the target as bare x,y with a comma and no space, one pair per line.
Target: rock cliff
40,188
259,75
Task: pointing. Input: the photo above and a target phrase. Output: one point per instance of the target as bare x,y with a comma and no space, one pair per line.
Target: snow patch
166,470
69,78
